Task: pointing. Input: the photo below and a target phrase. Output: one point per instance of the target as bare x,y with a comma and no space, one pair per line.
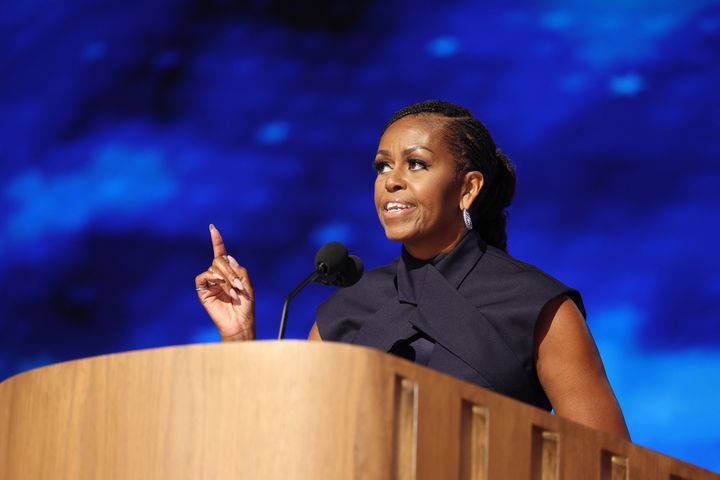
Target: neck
426,250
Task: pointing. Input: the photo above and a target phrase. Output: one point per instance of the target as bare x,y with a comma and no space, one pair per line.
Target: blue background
128,127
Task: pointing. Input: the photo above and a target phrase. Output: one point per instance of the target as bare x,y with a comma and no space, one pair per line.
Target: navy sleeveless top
469,313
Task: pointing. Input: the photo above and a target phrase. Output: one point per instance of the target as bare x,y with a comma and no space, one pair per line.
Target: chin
394,238
397,235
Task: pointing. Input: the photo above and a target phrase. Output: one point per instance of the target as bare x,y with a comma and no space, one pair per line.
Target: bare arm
314,333
571,371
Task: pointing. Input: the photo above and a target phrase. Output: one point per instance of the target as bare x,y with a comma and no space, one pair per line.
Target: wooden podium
291,410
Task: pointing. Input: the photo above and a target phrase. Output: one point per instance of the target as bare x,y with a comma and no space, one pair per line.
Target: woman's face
418,192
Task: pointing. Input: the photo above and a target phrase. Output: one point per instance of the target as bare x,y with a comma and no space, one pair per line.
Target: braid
474,150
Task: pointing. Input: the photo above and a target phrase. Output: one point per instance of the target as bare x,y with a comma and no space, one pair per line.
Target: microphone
330,258
336,267
350,272
333,266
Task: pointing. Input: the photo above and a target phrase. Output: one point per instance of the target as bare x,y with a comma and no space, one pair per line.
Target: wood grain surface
291,410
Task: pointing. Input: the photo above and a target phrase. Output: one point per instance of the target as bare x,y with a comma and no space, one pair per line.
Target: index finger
217,242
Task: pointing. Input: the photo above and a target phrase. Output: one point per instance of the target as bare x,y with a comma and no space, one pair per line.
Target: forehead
416,130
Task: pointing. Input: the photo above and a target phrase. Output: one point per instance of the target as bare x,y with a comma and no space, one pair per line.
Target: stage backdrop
127,127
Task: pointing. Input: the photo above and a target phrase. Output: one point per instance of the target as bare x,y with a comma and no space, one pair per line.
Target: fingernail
237,283
234,295
212,227
217,275
233,261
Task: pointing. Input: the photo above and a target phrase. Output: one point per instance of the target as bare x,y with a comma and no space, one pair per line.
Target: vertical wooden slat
545,454
474,432
406,406
613,467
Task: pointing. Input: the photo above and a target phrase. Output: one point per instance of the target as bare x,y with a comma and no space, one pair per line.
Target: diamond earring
467,219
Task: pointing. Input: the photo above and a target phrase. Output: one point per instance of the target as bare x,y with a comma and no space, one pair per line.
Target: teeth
396,206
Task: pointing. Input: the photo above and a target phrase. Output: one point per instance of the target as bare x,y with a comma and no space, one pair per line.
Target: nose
394,181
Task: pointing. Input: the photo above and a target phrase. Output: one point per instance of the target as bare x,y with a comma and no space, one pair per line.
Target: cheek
377,193
431,196
439,201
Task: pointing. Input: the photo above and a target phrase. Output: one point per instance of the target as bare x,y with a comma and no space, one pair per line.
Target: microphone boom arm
283,318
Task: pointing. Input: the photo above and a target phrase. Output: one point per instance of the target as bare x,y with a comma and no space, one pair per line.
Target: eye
415,164
381,166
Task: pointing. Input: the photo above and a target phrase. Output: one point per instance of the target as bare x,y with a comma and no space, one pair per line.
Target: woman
455,300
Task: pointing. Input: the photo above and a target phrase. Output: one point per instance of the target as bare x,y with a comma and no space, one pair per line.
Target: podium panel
291,410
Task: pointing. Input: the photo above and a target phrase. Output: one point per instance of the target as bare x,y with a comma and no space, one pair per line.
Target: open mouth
394,208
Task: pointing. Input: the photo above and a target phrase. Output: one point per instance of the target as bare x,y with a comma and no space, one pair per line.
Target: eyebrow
406,151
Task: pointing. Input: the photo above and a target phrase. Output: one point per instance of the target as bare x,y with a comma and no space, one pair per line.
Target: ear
472,183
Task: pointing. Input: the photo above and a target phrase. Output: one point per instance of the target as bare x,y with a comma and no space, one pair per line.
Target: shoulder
500,278
501,262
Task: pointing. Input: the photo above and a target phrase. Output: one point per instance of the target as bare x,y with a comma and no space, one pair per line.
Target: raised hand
226,293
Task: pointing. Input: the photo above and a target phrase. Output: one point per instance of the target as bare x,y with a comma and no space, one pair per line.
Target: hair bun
505,180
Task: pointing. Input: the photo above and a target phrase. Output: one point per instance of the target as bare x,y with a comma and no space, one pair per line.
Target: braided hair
474,150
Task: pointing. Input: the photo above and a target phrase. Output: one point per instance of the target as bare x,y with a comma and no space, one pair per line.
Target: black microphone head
330,258
351,272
